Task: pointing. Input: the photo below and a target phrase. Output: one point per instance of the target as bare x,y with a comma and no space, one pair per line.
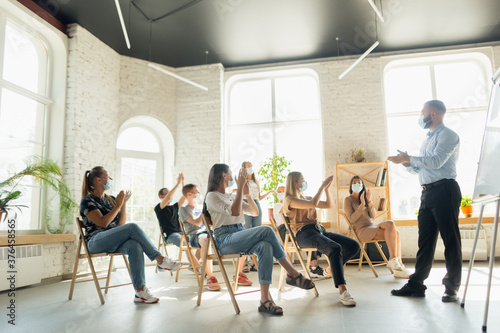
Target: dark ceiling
249,32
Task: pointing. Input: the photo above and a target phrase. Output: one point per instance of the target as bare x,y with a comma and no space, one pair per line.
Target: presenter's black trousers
439,208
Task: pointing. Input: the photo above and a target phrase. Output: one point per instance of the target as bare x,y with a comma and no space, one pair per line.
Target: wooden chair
363,256
86,255
291,246
215,255
162,244
188,249
274,225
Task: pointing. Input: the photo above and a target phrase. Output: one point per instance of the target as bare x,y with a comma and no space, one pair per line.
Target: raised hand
180,178
127,196
120,198
327,182
362,199
242,178
368,194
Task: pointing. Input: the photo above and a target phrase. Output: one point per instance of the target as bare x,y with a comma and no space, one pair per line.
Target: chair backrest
273,223
351,227
289,235
207,221
81,229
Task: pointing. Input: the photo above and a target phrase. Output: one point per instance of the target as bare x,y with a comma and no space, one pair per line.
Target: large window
140,167
275,112
461,81
24,107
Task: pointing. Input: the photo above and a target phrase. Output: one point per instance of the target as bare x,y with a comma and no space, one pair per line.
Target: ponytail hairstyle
215,177
89,179
243,165
363,191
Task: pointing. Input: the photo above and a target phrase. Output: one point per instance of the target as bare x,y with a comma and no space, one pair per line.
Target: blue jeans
175,238
128,239
338,248
261,241
254,221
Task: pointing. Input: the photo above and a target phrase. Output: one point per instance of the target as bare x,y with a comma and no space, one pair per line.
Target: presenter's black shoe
407,291
449,295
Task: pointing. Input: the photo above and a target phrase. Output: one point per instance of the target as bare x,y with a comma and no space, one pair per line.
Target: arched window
275,112
144,153
461,81
24,108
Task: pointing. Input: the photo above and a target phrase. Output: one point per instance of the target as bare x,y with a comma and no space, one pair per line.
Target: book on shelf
377,182
381,205
383,177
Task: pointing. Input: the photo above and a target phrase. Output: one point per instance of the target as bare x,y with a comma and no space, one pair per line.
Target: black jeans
338,248
439,208
282,231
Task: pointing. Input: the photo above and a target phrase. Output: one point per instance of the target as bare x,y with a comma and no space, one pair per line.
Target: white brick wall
199,114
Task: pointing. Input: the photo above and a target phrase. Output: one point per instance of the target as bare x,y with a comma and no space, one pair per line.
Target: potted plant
358,155
273,172
466,206
44,171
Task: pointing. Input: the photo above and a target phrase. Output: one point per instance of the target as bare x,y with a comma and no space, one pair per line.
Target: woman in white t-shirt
254,191
226,211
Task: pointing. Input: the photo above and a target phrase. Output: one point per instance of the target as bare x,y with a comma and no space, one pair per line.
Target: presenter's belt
436,183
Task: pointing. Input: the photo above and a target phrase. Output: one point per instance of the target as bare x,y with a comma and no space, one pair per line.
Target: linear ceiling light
367,52
379,14
178,77
124,29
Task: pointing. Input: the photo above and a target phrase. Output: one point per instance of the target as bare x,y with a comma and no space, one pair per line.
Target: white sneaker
169,264
394,264
326,274
402,274
145,296
347,299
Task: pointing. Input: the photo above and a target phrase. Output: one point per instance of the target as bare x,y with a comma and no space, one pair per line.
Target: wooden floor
46,308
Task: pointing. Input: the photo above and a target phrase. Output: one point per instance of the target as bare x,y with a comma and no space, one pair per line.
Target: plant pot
359,158
467,210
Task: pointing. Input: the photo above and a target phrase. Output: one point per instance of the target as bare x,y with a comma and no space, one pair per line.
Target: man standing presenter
439,202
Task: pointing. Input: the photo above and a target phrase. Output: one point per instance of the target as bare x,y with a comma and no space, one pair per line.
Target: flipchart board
488,170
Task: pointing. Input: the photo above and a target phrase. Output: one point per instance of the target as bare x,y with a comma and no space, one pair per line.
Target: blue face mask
230,183
250,170
303,188
109,184
424,124
357,187
198,197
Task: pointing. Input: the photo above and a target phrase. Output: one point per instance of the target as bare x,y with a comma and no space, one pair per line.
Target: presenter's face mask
281,196
357,187
424,123
250,170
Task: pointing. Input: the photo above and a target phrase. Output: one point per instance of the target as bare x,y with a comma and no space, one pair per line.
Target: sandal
253,268
245,269
303,283
272,308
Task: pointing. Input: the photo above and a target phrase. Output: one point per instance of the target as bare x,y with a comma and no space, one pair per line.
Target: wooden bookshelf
368,173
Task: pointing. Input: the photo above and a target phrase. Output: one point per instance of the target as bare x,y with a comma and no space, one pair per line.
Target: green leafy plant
359,151
466,201
273,172
44,171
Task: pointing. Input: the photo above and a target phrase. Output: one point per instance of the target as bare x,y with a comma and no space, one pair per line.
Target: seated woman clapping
310,233
359,210
226,211
104,218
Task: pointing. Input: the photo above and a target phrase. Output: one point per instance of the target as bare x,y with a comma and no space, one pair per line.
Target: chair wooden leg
282,277
203,271
96,281
109,274
237,275
128,266
370,263
228,284
181,249
384,257
360,263
75,270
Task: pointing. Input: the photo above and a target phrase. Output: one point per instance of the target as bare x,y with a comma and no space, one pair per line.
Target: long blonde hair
291,180
243,165
88,182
